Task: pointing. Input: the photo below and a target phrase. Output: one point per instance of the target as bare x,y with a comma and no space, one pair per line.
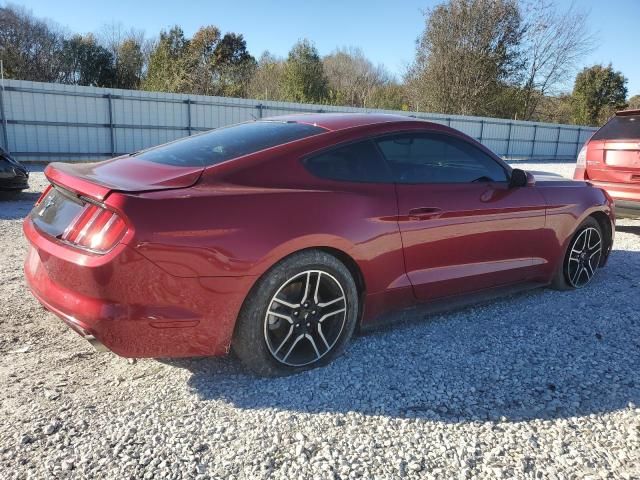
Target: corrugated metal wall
43,121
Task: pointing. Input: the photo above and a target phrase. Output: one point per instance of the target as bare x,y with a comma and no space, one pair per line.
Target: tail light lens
96,229
581,161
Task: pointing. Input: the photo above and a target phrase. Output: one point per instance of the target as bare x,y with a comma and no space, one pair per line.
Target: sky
385,30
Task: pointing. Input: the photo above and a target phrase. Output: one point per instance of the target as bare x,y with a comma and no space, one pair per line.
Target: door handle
424,213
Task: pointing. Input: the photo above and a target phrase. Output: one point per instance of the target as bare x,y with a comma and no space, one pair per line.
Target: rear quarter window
620,127
355,162
227,143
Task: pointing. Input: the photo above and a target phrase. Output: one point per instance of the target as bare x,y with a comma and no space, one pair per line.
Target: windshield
226,143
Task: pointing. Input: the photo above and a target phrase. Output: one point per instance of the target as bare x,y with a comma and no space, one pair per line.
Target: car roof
341,121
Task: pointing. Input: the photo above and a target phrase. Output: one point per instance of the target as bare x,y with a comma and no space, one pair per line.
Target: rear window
620,127
226,143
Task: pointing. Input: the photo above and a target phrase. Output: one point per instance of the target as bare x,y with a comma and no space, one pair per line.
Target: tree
598,92
352,78
267,81
390,96
84,62
303,78
127,50
168,63
234,66
634,103
553,43
468,51
129,64
201,60
29,48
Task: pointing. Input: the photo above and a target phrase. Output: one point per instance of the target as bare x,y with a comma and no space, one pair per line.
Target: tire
294,318
581,261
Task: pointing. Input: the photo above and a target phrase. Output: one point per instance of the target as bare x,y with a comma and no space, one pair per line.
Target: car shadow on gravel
537,355
635,229
17,206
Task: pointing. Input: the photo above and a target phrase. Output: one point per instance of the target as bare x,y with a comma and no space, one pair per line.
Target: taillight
581,161
95,228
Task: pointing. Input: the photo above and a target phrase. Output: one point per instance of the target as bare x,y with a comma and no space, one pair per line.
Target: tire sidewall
249,343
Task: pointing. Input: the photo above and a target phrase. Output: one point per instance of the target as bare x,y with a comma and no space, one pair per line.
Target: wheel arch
607,229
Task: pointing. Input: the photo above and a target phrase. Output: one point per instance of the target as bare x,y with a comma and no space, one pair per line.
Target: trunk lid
124,174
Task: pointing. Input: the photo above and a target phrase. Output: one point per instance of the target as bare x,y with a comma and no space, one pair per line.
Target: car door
463,229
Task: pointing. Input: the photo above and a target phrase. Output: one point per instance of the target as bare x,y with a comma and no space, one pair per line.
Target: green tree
201,61
469,50
169,63
391,96
234,66
129,64
84,62
598,92
267,81
634,102
303,77
29,47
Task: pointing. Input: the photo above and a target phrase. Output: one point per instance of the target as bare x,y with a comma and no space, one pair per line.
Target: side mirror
518,178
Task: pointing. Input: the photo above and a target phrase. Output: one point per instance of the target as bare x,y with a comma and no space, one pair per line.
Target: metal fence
45,122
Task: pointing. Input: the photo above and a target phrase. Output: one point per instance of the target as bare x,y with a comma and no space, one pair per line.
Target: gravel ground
539,385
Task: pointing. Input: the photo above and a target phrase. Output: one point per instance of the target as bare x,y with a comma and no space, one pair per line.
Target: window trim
505,167
373,137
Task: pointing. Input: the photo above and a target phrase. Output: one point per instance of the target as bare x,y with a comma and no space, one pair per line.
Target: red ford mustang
277,238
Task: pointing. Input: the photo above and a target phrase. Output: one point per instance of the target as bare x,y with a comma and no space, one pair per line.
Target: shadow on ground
16,205
635,229
538,355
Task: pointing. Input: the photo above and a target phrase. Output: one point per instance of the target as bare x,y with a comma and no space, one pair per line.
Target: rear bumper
625,195
126,303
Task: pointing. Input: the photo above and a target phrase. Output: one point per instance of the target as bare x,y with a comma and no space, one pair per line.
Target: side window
438,158
356,162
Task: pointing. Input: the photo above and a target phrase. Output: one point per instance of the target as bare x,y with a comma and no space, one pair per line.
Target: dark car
14,176
277,238
611,160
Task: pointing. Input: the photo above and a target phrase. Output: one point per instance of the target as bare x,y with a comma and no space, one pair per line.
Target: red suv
611,160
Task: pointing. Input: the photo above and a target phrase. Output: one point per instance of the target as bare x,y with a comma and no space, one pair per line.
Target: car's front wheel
582,257
298,316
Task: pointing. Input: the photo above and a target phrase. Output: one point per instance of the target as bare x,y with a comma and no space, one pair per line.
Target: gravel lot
540,385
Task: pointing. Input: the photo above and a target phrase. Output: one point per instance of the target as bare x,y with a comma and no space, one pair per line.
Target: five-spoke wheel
299,315
305,318
584,257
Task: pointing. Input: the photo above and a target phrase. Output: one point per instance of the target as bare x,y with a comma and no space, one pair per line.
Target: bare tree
127,47
553,44
353,77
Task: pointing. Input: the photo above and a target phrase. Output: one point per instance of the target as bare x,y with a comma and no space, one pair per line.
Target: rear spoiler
55,174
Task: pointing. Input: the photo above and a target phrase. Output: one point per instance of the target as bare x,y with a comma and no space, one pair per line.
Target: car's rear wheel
582,258
298,316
